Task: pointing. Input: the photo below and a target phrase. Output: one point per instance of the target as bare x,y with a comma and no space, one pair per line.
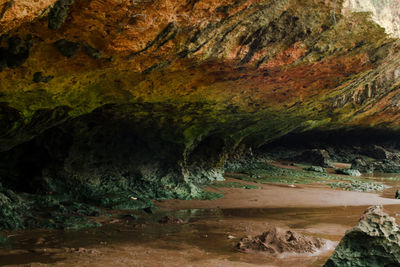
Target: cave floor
207,230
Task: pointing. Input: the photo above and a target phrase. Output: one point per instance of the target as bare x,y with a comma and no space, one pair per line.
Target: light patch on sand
386,13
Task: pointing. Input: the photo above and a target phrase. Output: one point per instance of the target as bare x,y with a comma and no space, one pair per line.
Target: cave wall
153,96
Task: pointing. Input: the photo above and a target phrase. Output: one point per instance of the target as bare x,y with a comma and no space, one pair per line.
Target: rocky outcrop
319,157
361,165
375,241
377,152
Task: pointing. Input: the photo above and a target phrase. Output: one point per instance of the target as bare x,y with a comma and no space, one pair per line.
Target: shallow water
204,235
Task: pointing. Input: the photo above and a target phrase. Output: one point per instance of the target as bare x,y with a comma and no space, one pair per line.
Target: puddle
203,239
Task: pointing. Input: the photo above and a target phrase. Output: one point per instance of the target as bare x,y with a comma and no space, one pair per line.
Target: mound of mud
278,241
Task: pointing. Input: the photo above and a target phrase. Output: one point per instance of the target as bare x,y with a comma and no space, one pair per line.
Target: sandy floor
281,196
209,234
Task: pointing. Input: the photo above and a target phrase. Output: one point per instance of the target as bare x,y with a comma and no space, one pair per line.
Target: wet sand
281,196
209,232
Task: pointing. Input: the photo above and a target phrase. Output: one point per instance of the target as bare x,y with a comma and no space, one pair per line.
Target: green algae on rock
359,186
350,172
21,211
315,169
259,171
374,241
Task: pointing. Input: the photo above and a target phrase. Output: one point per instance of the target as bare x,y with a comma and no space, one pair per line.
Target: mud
278,241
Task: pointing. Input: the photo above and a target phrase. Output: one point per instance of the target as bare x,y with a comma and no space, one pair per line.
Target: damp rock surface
374,241
350,172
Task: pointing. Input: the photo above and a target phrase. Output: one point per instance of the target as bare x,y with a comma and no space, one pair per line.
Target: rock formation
148,98
374,241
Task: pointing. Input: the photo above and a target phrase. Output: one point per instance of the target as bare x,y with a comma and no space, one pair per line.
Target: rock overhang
175,86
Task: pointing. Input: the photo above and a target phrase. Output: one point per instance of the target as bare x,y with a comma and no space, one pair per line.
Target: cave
199,132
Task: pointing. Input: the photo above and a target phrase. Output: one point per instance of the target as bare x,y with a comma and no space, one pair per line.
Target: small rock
231,237
170,220
40,241
397,194
315,169
114,221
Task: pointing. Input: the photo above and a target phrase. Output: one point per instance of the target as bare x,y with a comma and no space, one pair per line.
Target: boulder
374,241
387,166
315,169
277,241
361,165
377,152
319,157
351,172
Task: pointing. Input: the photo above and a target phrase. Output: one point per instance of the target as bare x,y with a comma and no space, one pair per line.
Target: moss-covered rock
350,172
315,169
374,241
360,186
361,165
